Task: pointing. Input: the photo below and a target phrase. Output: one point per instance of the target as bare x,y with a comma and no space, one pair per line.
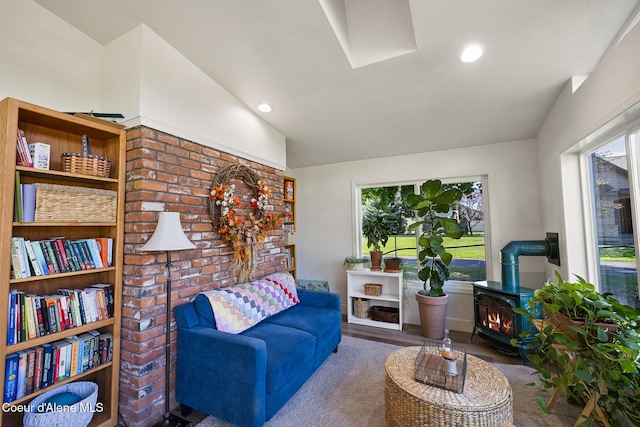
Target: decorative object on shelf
373,289
392,265
168,236
77,398
353,262
431,205
86,163
441,364
375,228
68,203
384,314
361,308
242,234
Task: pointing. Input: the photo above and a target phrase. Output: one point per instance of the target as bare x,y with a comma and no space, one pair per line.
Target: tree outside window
469,263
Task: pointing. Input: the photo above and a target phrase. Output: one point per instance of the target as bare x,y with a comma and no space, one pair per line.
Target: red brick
166,172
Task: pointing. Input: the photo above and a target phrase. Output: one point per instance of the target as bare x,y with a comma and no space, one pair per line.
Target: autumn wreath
241,233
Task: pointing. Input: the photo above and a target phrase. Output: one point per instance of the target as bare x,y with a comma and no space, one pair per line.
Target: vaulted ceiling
356,79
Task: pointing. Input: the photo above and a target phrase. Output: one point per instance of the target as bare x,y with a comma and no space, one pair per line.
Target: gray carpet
348,390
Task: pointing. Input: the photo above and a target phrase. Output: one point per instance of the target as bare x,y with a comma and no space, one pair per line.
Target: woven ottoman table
486,401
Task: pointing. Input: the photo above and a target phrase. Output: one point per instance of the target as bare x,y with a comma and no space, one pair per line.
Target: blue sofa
245,378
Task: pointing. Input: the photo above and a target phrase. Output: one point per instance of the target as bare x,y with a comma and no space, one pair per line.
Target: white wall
325,210
606,100
45,61
175,96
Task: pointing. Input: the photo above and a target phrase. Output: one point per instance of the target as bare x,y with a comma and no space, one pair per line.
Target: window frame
631,135
484,178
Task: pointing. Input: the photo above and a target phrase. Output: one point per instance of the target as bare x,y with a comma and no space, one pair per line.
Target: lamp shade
168,235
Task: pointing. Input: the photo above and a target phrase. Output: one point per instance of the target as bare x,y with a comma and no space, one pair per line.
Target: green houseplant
586,345
375,228
431,205
353,262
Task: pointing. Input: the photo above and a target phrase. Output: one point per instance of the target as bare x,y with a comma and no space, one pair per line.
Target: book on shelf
31,316
288,190
31,370
289,261
58,255
40,155
22,374
39,361
11,377
24,155
47,365
28,202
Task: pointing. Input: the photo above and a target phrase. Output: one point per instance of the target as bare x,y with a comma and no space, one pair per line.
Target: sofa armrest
230,367
330,300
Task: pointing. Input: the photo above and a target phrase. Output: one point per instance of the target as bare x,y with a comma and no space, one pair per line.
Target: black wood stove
494,318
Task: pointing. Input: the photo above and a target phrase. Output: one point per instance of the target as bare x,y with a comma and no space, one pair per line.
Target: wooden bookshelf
289,225
63,133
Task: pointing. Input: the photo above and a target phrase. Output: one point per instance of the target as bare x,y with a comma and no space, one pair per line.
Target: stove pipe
510,253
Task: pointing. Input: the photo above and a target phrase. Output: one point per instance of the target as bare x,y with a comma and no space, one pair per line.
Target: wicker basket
63,203
86,163
373,289
361,308
385,314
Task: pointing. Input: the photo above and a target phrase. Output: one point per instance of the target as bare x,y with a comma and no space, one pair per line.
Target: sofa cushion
236,308
288,351
322,323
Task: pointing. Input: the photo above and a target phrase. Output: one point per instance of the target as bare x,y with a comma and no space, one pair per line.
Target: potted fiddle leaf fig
375,227
572,318
432,205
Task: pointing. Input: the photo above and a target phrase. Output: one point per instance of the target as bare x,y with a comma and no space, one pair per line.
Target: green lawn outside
467,246
620,254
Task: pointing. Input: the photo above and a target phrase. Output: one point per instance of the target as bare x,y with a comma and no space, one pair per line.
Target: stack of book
24,154
58,255
35,155
31,316
28,371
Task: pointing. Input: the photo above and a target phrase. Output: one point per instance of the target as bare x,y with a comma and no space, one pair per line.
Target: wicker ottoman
487,400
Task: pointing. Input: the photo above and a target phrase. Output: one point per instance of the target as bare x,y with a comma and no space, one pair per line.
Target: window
469,252
614,212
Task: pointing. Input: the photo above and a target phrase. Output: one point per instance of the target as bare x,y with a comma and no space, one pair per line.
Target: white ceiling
286,53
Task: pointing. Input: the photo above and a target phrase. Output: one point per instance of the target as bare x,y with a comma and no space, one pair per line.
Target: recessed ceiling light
265,108
471,52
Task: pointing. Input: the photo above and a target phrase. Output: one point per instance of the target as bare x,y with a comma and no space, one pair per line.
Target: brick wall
168,173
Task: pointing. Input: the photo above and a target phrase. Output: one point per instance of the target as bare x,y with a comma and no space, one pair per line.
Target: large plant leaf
448,197
446,257
431,187
451,227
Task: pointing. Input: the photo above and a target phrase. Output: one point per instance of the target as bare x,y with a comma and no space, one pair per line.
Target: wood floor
410,335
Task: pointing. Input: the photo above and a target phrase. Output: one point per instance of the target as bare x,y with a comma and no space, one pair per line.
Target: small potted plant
392,264
572,318
375,227
432,205
353,262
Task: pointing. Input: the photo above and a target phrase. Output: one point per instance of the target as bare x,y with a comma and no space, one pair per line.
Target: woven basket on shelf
64,203
373,289
77,415
361,308
86,163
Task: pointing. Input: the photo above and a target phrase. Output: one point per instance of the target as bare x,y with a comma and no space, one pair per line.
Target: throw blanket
237,308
